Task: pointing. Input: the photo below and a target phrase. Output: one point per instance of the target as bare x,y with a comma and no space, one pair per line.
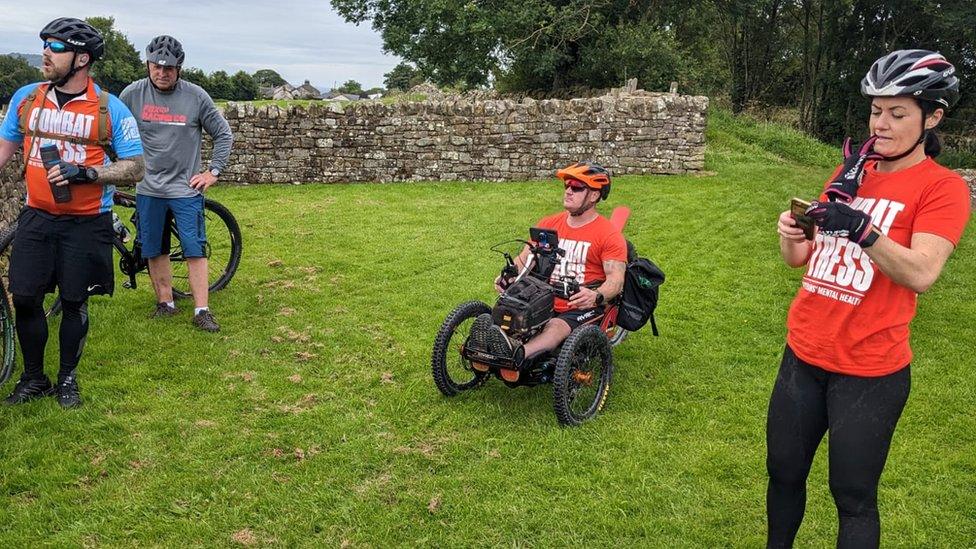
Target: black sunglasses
56,47
575,188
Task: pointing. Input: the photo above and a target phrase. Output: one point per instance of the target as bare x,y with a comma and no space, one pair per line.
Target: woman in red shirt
887,221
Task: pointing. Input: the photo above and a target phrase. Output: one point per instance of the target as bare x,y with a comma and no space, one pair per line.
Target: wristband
873,235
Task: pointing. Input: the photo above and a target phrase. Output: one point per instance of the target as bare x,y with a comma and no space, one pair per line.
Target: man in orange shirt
64,234
596,256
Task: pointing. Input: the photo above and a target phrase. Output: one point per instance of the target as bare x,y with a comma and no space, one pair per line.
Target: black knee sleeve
74,332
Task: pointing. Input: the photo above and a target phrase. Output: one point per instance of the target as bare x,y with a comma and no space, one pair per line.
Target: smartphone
798,207
545,238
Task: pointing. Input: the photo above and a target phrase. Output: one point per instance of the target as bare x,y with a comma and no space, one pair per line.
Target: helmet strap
583,209
921,139
64,79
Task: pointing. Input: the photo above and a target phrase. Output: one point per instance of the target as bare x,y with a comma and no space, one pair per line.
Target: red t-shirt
587,247
848,316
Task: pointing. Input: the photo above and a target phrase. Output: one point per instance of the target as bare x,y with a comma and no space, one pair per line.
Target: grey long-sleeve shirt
172,125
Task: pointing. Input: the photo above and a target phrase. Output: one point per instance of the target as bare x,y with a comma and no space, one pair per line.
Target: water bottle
50,157
120,229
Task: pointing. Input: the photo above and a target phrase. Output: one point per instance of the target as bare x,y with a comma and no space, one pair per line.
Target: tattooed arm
586,298
124,171
615,278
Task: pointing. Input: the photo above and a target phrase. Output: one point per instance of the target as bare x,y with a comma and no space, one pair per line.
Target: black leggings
860,413
32,334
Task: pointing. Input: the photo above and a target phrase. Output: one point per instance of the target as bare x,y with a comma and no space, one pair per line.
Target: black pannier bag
524,305
642,282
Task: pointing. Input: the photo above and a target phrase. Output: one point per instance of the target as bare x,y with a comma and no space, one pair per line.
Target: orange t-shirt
848,316
587,247
76,119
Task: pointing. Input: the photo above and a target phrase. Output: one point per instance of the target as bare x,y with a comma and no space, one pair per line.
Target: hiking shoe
29,389
206,321
498,343
163,310
478,338
67,392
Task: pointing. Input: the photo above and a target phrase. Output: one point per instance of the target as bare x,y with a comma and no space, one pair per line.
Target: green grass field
312,419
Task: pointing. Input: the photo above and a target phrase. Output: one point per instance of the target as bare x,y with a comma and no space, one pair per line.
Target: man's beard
581,210
55,73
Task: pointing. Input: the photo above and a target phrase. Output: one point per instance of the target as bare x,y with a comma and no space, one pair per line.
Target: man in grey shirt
172,114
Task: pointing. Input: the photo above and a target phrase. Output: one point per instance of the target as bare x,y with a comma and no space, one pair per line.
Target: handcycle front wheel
582,376
452,373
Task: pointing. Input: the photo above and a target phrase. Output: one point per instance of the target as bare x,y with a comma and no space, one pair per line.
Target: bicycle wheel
7,353
223,250
6,247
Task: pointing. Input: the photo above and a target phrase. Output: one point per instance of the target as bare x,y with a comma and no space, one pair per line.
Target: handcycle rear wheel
452,373
617,336
582,376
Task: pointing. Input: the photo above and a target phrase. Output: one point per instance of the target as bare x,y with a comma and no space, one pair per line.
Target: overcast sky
303,39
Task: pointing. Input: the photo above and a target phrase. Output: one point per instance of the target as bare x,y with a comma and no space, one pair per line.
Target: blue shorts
156,213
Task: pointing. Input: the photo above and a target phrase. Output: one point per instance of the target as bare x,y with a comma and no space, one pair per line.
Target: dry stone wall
639,133
11,191
970,177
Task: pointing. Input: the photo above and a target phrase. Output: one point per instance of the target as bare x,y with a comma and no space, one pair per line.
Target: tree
244,87
14,74
196,76
531,44
351,86
220,86
403,77
120,66
268,78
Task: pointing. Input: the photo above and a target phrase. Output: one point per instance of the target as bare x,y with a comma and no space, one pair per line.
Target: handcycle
223,250
580,369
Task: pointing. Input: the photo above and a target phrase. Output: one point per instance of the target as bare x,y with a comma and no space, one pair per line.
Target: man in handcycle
595,256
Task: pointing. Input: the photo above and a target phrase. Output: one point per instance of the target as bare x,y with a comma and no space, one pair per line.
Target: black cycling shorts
578,317
70,252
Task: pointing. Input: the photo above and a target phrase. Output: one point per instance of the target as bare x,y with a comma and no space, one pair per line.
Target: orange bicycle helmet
590,174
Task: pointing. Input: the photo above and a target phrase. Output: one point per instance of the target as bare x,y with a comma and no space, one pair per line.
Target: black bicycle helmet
78,34
921,74
165,50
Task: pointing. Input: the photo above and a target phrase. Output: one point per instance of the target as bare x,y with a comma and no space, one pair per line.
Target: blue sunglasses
56,47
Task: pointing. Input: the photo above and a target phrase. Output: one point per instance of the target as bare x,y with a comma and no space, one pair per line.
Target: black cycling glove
76,174
842,221
844,187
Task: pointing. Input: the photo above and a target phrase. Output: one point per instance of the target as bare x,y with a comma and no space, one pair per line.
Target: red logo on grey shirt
161,115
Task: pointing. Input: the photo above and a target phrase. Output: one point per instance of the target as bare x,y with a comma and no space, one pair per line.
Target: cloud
302,39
